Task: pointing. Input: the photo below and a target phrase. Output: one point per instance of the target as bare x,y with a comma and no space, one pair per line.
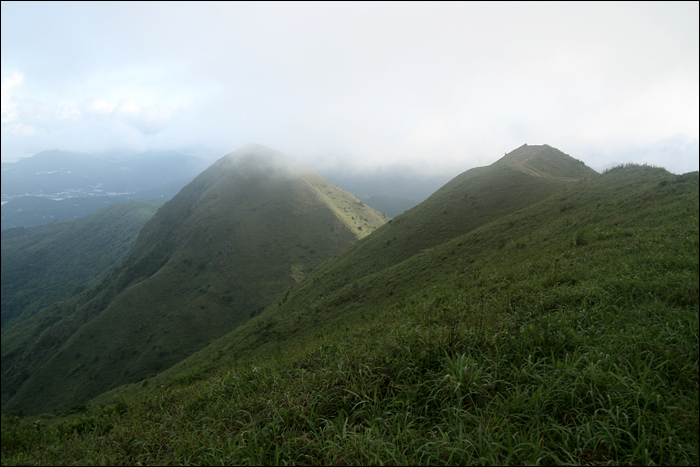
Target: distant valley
62,185
61,174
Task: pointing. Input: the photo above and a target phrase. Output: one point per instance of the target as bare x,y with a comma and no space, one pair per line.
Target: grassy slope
563,333
49,263
214,256
341,287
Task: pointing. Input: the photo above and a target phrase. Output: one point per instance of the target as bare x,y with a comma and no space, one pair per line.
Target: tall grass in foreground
594,373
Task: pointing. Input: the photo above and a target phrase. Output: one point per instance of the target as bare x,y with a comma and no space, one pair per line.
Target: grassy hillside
46,264
217,254
372,273
470,200
546,161
565,332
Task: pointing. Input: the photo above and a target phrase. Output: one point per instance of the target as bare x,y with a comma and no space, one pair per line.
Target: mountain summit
223,249
546,161
254,160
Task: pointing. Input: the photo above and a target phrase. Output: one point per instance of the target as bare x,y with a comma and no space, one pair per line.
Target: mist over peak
255,160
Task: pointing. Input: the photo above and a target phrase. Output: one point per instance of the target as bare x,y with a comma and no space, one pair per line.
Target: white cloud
47,114
96,107
441,86
149,120
20,128
8,105
127,109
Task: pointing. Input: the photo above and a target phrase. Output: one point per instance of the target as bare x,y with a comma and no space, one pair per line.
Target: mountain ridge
445,215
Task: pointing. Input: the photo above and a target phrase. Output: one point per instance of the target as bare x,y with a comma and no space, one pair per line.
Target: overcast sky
439,87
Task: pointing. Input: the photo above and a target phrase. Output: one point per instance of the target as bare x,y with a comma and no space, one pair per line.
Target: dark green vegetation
562,329
45,264
218,253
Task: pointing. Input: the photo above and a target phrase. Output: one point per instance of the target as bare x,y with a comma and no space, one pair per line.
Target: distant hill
228,245
546,161
60,259
470,200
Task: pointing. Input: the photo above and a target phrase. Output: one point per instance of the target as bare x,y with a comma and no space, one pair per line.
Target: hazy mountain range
64,185
60,174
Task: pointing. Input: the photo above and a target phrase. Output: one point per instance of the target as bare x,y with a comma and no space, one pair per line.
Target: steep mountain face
585,302
219,252
52,262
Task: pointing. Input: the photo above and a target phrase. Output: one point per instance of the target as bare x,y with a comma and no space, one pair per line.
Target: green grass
399,257
359,283
48,263
566,333
547,161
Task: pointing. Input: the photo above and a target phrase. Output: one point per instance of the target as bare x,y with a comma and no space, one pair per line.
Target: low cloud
96,107
20,128
7,102
437,87
46,114
94,124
